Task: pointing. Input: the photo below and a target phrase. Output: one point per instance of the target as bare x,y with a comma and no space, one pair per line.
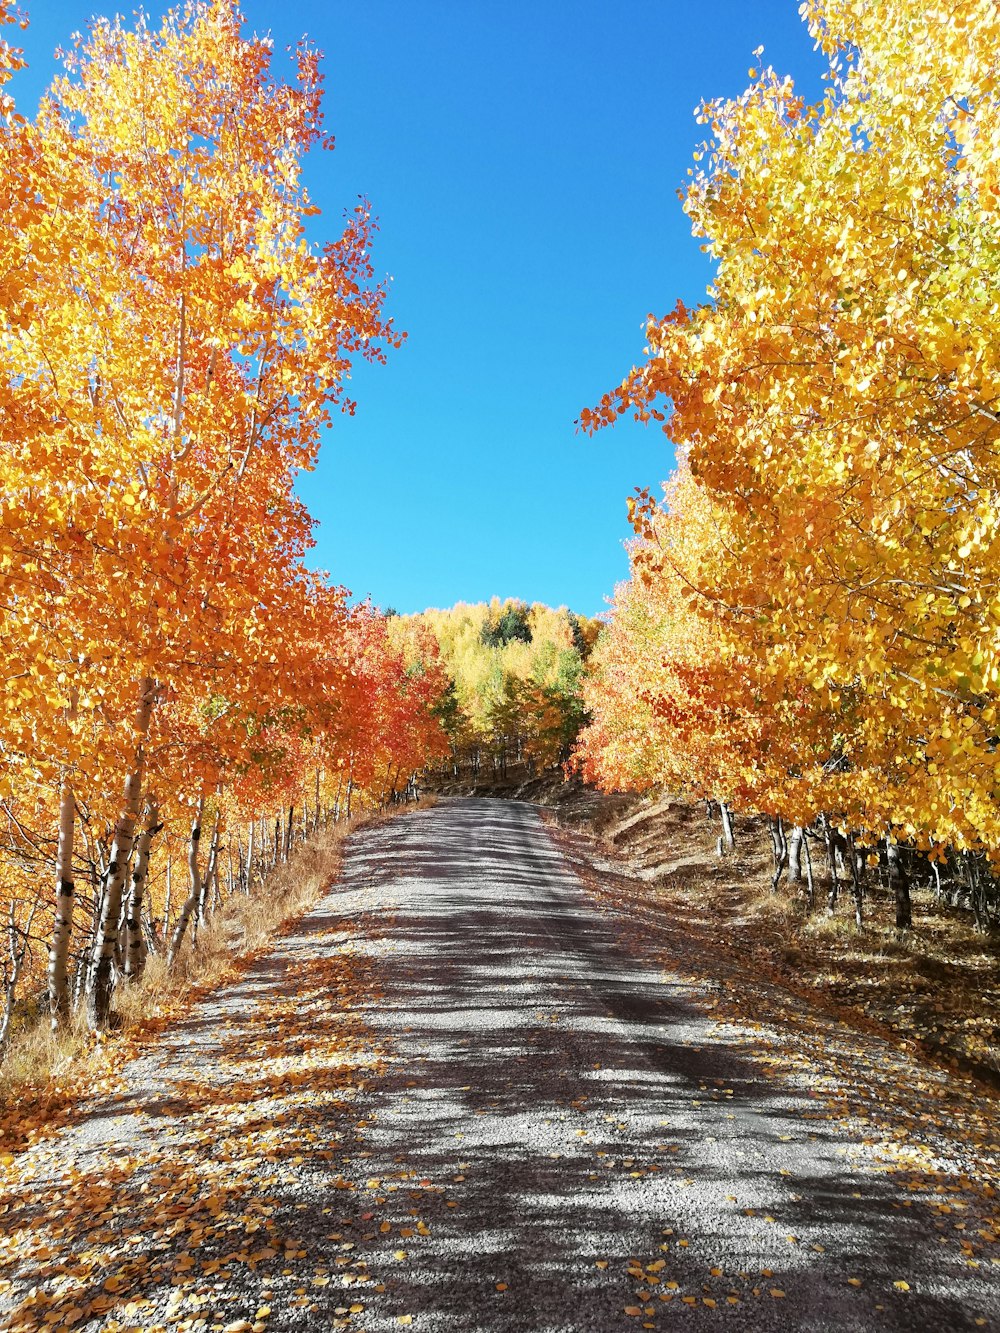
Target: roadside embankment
936,986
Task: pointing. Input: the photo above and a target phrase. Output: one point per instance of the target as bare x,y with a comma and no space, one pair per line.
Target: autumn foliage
812,627
510,689
174,344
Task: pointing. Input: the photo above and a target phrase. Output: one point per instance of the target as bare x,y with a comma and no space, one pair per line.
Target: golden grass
938,984
43,1069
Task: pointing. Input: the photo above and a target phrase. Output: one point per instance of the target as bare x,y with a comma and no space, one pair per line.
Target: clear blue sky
523,157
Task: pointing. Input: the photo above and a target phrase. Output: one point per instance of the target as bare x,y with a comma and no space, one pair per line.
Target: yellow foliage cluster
838,400
516,674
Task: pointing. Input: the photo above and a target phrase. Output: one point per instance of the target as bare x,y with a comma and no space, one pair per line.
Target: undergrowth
48,1071
937,985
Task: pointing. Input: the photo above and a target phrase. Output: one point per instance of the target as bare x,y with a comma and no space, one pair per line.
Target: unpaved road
468,1095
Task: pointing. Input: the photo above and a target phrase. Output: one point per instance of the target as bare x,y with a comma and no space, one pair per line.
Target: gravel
467,1094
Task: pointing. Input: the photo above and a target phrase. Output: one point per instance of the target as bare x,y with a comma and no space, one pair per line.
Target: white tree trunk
135,942
194,887
248,884
105,945
286,850
210,872
728,834
795,855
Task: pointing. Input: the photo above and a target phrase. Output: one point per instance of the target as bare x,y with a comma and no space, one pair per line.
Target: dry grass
938,985
44,1071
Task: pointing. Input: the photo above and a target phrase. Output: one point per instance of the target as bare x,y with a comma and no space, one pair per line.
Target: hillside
513,704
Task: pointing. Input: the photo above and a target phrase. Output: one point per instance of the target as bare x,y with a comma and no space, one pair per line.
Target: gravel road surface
467,1094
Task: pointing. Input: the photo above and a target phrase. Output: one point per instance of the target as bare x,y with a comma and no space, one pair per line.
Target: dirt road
468,1095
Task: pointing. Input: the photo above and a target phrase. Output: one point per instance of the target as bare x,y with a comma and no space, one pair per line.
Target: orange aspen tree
185,346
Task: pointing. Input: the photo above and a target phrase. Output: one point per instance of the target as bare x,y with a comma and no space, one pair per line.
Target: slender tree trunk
105,946
973,878
81,978
795,855
900,883
62,928
350,791
18,949
831,855
166,899
248,885
936,871
810,882
318,803
194,887
210,871
728,834
857,884
289,829
135,948
779,845
152,943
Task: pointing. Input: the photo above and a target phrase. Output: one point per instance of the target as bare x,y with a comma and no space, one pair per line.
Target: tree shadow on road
483,1109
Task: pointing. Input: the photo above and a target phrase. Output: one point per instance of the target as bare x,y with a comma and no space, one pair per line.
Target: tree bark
18,953
973,877
248,883
779,844
102,979
857,885
289,829
62,929
194,887
795,855
831,856
135,941
210,871
166,899
728,835
810,882
900,884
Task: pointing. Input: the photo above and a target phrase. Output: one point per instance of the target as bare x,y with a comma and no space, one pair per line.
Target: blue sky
523,158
